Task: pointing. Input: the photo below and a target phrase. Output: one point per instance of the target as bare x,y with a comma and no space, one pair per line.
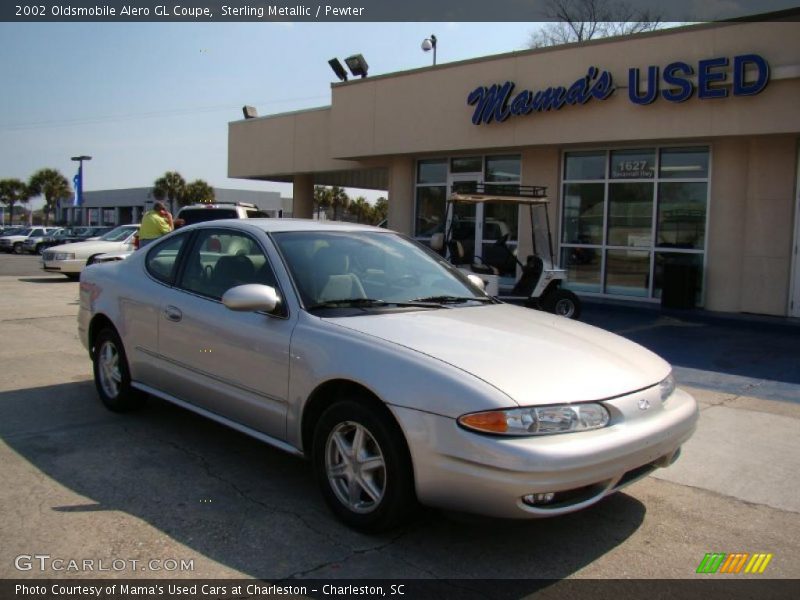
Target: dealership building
671,152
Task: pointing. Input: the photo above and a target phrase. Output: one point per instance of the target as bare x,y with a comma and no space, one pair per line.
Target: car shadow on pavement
46,280
256,510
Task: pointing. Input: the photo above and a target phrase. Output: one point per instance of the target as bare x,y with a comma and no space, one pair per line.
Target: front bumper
462,470
64,266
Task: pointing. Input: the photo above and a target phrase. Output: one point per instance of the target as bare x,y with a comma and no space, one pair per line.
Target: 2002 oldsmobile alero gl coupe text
392,371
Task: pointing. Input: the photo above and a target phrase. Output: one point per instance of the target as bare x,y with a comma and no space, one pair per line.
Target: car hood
84,249
533,357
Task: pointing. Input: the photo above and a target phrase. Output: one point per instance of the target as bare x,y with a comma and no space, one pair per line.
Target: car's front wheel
18,248
362,466
111,375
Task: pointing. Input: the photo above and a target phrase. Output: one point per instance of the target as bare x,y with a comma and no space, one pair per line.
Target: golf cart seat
531,273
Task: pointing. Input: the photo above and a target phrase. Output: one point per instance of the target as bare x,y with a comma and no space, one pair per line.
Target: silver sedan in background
394,373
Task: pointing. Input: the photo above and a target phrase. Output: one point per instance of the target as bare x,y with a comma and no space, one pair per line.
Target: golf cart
539,286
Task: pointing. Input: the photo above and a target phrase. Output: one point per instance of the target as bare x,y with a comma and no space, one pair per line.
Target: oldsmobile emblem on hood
644,403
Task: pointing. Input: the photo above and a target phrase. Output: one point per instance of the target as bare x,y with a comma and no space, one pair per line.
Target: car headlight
538,420
64,256
667,387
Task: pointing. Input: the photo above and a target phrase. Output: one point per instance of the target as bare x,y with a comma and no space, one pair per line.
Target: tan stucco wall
282,145
751,224
426,111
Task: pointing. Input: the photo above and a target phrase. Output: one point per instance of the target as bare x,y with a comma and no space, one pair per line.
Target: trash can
679,287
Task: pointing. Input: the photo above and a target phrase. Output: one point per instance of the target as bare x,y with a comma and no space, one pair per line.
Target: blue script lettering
492,103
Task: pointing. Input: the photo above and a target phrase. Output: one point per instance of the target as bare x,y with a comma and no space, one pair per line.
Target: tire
18,248
563,303
40,249
370,499
111,375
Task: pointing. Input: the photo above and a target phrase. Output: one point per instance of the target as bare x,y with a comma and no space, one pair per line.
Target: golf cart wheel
562,303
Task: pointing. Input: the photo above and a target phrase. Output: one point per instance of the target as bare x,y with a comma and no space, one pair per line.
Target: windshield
19,232
363,268
119,234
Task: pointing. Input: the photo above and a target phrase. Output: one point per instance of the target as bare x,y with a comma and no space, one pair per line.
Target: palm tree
322,199
52,185
339,201
171,186
13,191
197,192
380,211
360,209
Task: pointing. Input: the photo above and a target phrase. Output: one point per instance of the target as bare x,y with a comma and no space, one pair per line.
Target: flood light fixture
338,69
358,65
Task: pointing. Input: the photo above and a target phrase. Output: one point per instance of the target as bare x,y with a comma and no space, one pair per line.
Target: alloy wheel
355,467
110,375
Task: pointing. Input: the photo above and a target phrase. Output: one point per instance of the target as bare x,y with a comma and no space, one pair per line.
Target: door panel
235,364
231,363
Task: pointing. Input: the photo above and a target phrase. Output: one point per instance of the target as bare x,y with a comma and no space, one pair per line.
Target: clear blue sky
145,98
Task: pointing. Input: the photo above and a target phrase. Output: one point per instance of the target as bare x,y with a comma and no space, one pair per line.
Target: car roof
281,225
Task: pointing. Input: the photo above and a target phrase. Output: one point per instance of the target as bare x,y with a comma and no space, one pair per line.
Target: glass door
464,221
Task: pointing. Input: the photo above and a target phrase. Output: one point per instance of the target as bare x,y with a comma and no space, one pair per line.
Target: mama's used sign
673,83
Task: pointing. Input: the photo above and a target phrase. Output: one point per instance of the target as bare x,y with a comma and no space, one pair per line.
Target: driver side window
221,259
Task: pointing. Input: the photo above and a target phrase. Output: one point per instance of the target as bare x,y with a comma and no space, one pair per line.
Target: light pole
78,181
428,44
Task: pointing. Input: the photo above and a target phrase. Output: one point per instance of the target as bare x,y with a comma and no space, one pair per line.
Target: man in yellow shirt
155,223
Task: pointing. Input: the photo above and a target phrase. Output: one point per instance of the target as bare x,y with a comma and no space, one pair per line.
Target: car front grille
48,255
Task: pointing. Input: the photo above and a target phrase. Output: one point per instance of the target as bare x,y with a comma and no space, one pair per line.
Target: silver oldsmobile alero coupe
392,371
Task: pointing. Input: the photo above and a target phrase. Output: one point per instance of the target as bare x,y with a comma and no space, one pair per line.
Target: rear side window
162,259
201,215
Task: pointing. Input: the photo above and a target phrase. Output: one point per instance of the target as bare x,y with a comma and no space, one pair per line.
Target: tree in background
171,186
197,192
13,191
380,211
322,199
52,185
339,201
360,209
582,20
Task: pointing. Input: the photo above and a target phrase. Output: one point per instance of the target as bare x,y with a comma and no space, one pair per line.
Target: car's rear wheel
40,248
362,466
18,248
111,375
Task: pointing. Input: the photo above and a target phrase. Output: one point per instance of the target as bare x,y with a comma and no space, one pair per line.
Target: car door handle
173,314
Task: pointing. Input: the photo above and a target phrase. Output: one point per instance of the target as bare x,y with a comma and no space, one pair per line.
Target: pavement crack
353,553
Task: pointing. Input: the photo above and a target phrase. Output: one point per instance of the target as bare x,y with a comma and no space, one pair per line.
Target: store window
631,215
431,194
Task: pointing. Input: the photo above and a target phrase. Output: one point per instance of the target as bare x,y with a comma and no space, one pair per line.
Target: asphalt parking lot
163,484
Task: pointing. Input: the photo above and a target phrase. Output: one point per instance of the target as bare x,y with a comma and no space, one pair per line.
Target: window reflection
630,214
583,213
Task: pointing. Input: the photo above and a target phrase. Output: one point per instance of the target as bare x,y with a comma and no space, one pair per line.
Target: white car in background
70,259
14,242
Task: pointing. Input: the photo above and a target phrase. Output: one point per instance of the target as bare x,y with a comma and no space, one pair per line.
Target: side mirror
251,297
437,241
477,282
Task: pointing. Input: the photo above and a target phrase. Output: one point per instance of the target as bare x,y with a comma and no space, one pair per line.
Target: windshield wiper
371,302
451,299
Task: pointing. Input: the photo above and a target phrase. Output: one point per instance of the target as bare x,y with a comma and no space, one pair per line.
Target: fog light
534,499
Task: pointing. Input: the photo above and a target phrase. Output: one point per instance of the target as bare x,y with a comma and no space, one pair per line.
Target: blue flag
76,181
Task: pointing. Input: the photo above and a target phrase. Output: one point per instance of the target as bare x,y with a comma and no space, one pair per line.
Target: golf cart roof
509,194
